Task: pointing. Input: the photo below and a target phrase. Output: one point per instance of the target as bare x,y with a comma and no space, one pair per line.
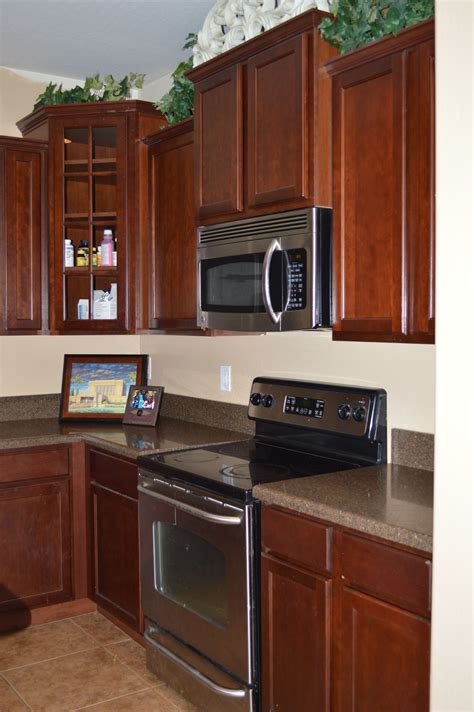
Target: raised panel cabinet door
35,550
382,661
369,232
295,639
115,554
23,201
420,190
173,242
219,140
278,162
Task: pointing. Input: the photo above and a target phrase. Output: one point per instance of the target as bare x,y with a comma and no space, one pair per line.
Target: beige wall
452,630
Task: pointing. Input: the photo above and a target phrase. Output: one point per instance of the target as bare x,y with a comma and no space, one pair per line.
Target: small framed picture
143,405
95,386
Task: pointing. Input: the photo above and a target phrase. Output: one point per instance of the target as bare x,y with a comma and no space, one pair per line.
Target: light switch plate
226,378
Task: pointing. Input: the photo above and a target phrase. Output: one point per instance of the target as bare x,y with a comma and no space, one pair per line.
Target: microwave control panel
297,279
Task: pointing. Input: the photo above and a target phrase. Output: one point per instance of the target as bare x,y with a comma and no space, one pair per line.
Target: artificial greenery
358,22
94,89
178,104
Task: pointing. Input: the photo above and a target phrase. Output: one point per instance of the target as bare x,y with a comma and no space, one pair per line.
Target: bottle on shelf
95,259
83,254
107,249
68,253
114,254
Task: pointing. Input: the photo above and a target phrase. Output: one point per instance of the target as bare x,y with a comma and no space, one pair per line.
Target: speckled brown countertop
127,440
393,502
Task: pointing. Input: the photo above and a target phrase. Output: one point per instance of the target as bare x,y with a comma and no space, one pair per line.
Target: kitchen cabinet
262,124
345,619
23,236
36,522
113,536
170,283
383,134
98,180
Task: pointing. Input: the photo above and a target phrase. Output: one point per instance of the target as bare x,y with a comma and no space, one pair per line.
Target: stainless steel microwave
270,273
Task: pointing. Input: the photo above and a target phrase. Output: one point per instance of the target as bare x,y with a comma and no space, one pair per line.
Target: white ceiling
77,38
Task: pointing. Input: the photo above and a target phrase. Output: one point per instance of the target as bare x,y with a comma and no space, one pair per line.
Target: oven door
263,284
197,580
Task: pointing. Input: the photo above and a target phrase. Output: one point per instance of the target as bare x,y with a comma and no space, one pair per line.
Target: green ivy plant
178,104
358,22
94,89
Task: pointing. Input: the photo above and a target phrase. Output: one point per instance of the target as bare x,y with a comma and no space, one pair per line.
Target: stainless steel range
199,530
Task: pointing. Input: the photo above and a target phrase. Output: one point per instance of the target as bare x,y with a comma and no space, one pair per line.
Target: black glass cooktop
234,468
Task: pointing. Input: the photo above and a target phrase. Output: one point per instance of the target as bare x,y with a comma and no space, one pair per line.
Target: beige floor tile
176,699
146,701
9,701
133,655
74,681
100,628
42,642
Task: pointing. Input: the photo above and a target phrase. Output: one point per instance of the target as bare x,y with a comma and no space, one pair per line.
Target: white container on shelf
68,253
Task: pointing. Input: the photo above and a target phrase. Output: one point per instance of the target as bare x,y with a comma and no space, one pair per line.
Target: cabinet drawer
113,472
387,573
34,464
297,539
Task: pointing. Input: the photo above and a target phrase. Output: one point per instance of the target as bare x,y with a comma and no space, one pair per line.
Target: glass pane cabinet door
92,178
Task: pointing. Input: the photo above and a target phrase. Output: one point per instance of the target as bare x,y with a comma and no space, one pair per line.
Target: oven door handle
189,509
267,300
224,691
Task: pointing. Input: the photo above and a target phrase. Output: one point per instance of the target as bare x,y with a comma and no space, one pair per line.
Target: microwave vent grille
283,223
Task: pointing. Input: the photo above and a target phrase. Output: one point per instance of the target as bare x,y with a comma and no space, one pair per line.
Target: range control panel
334,408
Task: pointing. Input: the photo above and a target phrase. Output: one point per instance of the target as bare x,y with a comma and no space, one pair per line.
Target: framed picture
96,387
143,405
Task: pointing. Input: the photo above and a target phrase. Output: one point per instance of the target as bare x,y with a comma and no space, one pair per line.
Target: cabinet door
219,141
369,233
173,233
295,639
23,202
278,162
35,555
420,190
382,660
115,554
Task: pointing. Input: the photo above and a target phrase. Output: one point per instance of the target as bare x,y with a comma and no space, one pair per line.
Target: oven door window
190,572
232,284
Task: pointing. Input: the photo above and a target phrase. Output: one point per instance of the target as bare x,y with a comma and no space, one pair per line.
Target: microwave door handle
267,301
288,280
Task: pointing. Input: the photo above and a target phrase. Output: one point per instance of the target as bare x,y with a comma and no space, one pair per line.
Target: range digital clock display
309,407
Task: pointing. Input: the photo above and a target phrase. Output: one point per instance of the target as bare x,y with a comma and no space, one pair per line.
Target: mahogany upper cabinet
262,124
383,162
23,235
98,181
172,231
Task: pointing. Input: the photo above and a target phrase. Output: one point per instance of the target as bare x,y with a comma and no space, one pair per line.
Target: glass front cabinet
98,212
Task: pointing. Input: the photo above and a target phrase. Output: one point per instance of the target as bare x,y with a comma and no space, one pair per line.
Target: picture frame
143,405
95,387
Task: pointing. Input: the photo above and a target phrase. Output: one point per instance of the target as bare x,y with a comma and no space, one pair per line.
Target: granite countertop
127,440
393,502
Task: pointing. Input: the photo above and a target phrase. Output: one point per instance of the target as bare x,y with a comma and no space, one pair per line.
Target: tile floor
80,663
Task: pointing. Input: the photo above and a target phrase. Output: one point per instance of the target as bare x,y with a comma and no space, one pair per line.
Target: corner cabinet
384,166
23,236
97,180
169,300
262,124
345,619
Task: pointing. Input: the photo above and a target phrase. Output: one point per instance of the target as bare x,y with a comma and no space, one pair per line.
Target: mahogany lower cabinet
114,558
35,528
345,619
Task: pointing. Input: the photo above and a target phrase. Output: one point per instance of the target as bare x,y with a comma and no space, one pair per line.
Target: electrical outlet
226,383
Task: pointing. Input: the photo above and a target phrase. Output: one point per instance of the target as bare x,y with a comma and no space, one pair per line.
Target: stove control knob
267,401
255,399
359,414
344,412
